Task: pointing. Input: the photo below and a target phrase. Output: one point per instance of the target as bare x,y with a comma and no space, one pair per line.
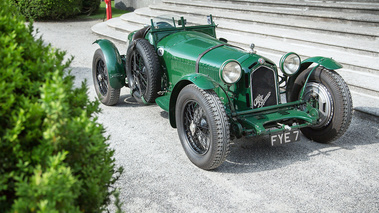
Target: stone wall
134,4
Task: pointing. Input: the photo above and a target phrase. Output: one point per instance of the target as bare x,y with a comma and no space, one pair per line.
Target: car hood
182,50
189,45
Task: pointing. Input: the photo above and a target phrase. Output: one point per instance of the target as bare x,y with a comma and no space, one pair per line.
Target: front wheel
203,127
334,103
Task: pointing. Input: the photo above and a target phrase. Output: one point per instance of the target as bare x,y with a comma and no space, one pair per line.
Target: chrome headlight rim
222,69
285,59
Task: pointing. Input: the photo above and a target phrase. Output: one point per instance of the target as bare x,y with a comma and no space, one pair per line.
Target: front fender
328,63
202,81
113,60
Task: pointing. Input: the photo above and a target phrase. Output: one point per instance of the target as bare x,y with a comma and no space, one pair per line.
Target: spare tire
143,71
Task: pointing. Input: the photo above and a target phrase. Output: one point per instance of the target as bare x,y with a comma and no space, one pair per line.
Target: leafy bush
49,9
53,155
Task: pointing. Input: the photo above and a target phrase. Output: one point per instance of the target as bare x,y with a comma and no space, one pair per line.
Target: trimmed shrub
53,155
49,9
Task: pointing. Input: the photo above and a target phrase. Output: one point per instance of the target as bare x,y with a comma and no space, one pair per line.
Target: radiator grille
263,88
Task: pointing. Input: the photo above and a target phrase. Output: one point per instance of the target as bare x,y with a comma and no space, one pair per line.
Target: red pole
108,6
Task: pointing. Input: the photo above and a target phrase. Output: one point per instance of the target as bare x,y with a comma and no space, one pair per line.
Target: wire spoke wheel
139,76
196,127
102,77
106,94
203,126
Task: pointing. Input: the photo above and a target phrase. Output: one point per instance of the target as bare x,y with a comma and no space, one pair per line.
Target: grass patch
101,13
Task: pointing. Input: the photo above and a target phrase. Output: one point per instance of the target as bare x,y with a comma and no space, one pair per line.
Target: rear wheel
106,94
203,127
333,101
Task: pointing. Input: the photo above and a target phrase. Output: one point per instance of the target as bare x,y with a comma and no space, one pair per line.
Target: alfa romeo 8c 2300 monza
215,92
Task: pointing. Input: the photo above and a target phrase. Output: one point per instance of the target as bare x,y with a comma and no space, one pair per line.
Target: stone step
357,31
364,46
353,6
356,61
124,26
136,19
342,39
105,31
349,60
361,17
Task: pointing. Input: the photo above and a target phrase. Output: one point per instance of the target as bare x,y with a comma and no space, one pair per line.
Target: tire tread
113,95
222,126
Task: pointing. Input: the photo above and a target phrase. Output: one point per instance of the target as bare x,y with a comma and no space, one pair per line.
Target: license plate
285,137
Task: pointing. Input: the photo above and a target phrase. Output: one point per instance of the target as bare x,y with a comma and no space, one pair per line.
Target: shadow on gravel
164,114
127,100
248,155
362,131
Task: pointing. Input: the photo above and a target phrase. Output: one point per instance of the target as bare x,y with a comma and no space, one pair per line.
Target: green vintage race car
215,92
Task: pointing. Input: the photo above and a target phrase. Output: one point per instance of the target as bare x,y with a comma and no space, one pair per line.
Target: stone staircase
348,31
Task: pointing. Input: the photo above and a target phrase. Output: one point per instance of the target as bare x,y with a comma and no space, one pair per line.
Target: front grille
263,88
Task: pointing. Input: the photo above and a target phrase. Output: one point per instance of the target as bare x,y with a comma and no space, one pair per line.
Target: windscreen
173,21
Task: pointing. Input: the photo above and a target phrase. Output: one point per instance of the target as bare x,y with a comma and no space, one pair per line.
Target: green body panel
130,36
113,60
164,101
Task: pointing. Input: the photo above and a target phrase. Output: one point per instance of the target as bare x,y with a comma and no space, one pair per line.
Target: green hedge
53,155
55,9
49,9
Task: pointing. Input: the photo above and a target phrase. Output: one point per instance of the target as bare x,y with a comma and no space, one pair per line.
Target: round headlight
230,72
290,63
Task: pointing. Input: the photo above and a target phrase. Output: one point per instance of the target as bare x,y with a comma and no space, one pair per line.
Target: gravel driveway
299,177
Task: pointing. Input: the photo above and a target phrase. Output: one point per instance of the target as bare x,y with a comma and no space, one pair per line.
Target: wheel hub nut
193,128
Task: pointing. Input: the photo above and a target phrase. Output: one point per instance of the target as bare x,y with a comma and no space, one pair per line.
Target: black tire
203,127
335,103
143,71
106,94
